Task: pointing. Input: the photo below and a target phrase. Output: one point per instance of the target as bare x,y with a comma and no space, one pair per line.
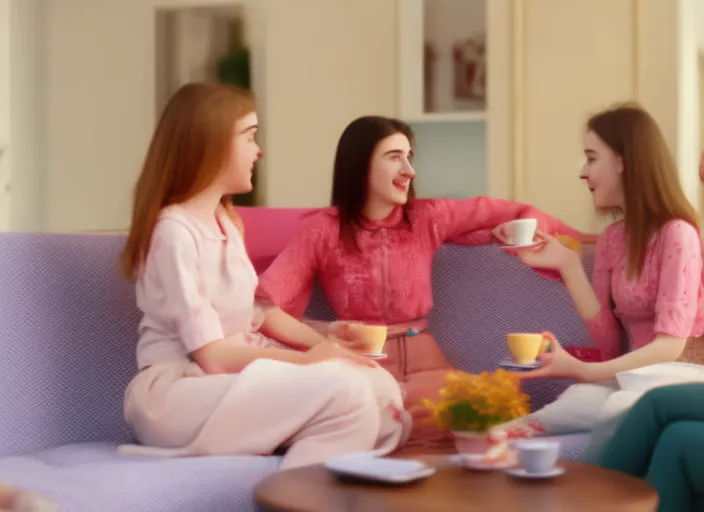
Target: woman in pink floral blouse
372,252
647,270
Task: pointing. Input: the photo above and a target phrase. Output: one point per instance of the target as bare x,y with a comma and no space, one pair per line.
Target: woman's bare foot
12,500
6,495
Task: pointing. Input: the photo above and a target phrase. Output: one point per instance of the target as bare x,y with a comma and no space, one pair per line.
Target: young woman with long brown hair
647,271
213,380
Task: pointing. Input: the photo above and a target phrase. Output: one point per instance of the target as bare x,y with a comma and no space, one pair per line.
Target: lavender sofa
68,328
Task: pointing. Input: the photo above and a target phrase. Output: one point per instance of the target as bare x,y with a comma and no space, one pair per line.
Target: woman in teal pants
662,439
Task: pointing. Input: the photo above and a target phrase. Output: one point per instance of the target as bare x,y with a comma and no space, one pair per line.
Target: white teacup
520,231
537,455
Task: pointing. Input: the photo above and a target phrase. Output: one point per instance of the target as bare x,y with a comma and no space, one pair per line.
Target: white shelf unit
443,24
451,159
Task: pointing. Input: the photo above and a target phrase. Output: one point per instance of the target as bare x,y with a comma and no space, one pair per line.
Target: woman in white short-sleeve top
212,379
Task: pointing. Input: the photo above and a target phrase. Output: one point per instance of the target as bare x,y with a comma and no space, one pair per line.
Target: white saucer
377,357
522,473
386,470
534,243
508,363
477,463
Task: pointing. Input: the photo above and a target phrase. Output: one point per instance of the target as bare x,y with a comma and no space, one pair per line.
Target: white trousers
317,411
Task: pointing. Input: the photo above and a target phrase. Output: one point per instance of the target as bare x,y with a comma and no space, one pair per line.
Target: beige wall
311,78
553,63
562,84
571,58
100,109
320,76
667,79
688,102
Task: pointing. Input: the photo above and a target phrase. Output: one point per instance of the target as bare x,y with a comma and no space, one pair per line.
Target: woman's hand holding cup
358,337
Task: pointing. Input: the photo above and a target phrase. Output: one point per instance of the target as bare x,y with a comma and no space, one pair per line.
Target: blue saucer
508,364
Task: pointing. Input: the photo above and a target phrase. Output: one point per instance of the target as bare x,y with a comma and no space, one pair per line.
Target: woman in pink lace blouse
372,252
216,375
647,272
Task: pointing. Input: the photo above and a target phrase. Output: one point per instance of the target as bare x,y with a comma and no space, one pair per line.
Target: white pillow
656,375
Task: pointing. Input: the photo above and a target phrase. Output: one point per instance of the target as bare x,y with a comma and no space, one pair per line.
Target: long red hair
653,193
190,146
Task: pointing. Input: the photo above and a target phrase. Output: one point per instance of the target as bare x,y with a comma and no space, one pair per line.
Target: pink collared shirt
668,298
196,286
389,281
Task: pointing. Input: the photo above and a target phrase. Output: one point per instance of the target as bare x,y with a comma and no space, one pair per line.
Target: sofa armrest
586,354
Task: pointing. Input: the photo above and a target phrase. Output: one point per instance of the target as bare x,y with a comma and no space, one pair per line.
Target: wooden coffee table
583,488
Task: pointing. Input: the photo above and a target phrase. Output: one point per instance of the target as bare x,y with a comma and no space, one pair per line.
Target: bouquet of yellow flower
476,403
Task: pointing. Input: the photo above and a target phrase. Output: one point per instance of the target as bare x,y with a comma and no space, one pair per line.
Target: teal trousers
662,439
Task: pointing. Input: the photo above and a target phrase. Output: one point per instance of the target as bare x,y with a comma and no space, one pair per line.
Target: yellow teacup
374,336
526,347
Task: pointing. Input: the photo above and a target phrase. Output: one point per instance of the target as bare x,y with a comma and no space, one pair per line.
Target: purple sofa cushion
93,477
482,293
68,327
269,230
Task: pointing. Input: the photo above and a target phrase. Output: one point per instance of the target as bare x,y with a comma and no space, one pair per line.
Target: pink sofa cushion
267,231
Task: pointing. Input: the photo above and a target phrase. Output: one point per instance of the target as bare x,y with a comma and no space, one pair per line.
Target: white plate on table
379,469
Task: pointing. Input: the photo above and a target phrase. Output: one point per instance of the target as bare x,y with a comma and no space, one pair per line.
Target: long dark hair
351,170
652,188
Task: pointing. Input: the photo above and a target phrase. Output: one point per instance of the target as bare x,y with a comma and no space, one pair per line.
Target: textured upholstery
68,326
483,293
94,478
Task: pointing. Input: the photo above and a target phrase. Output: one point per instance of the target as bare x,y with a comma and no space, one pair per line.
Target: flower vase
470,442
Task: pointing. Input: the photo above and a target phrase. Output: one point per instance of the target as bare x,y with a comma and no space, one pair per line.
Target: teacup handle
546,345
500,233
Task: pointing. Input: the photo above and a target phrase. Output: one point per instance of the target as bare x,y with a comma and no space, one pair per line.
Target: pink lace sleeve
679,281
173,260
288,282
470,221
604,329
